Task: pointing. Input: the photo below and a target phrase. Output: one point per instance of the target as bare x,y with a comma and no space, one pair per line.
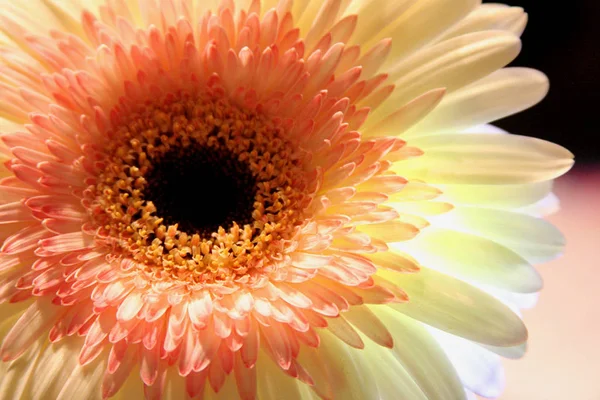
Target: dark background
562,39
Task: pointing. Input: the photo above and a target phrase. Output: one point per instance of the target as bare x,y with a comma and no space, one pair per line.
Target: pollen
198,189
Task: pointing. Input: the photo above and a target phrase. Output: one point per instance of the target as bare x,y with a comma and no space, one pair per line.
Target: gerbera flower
266,199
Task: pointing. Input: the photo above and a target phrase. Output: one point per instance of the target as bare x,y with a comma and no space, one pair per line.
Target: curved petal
452,64
31,324
507,196
473,258
502,93
490,16
393,379
376,16
421,356
513,352
485,159
533,238
422,23
84,381
272,382
479,369
457,307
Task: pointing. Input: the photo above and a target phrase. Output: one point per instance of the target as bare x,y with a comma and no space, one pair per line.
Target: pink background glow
563,361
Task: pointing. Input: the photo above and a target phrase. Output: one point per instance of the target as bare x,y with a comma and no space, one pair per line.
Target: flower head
266,198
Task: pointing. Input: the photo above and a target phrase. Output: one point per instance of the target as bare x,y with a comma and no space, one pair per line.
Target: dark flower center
201,189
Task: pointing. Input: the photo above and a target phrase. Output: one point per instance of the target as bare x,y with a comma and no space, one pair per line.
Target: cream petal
272,382
315,15
228,391
533,238
375,16
502,93
325,376
344,372
301,8
501,196
369,324
456,62
345,332
451,64
53,369
421,23
516,301
324,19
9,314
420,354
457,307
479,369
364,374
175,386
513,352
84,382
67,14
473,258
15,376
485,159
405,117
133,388
490,16
31,324
394,381
7,126
28,14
